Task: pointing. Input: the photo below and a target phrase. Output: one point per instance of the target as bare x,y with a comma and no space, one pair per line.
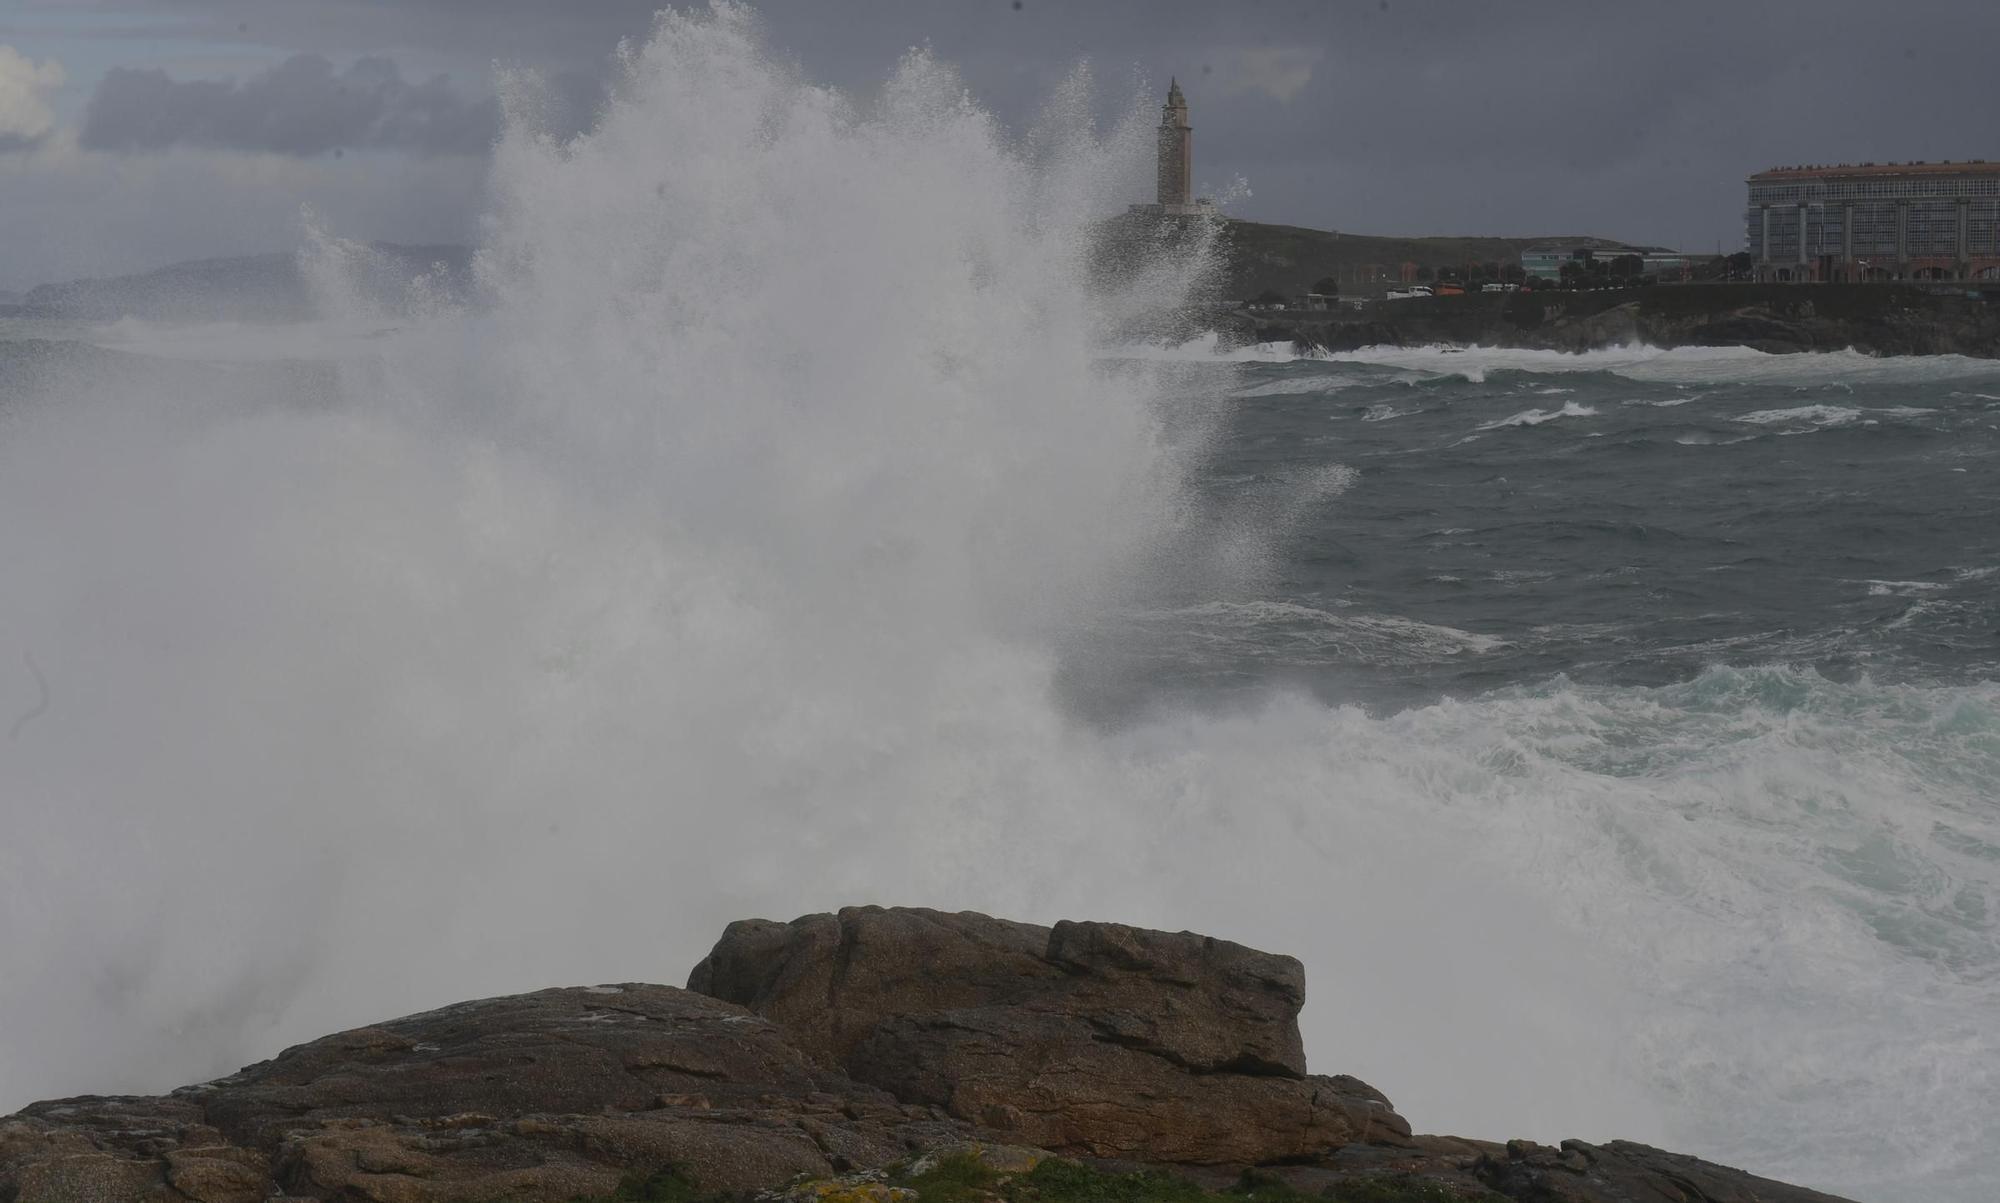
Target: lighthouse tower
1176,196
1176,153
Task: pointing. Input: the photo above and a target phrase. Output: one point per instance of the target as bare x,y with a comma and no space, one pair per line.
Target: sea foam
644,595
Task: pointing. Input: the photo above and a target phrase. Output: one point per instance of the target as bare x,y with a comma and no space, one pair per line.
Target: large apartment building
1876,221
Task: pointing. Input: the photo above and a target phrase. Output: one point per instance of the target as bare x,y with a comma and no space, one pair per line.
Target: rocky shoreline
873,1056
1878,319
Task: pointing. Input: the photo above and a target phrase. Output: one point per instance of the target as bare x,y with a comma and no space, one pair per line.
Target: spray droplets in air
731,543
706,554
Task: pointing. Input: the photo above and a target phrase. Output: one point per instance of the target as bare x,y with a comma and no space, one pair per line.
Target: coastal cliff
873,1056
1881,319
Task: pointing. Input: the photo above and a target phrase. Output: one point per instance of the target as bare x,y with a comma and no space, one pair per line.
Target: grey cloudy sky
138,132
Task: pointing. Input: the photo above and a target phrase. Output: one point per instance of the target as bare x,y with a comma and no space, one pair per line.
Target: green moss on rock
955,1178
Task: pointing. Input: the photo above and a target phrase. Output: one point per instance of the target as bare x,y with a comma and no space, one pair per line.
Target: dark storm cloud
303,106
1637,119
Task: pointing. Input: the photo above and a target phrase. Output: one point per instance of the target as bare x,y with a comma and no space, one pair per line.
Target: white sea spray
726,558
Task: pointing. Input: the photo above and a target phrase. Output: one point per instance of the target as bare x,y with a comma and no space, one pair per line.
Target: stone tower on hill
1176,152
1176,171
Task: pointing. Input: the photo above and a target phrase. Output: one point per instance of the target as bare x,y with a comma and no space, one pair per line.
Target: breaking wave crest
1679,365
1297,635
1535,417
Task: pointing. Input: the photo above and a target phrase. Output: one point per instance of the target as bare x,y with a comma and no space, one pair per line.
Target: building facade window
1875,220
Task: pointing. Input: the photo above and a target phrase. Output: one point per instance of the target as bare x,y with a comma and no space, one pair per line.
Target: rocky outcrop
1085,1038
861,1040
830,980
1621,1171
1585,1173
539,1096
1880,319
1205,1005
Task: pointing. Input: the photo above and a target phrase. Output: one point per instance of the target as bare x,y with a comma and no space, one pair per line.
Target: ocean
1626,517
1704,643
1614,737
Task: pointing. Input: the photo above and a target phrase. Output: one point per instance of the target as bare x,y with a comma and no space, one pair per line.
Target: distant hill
1289,259
245,288
1258,257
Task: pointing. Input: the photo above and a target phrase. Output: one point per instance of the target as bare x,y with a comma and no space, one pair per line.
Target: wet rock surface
1086,1038
538,1096
825,1050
